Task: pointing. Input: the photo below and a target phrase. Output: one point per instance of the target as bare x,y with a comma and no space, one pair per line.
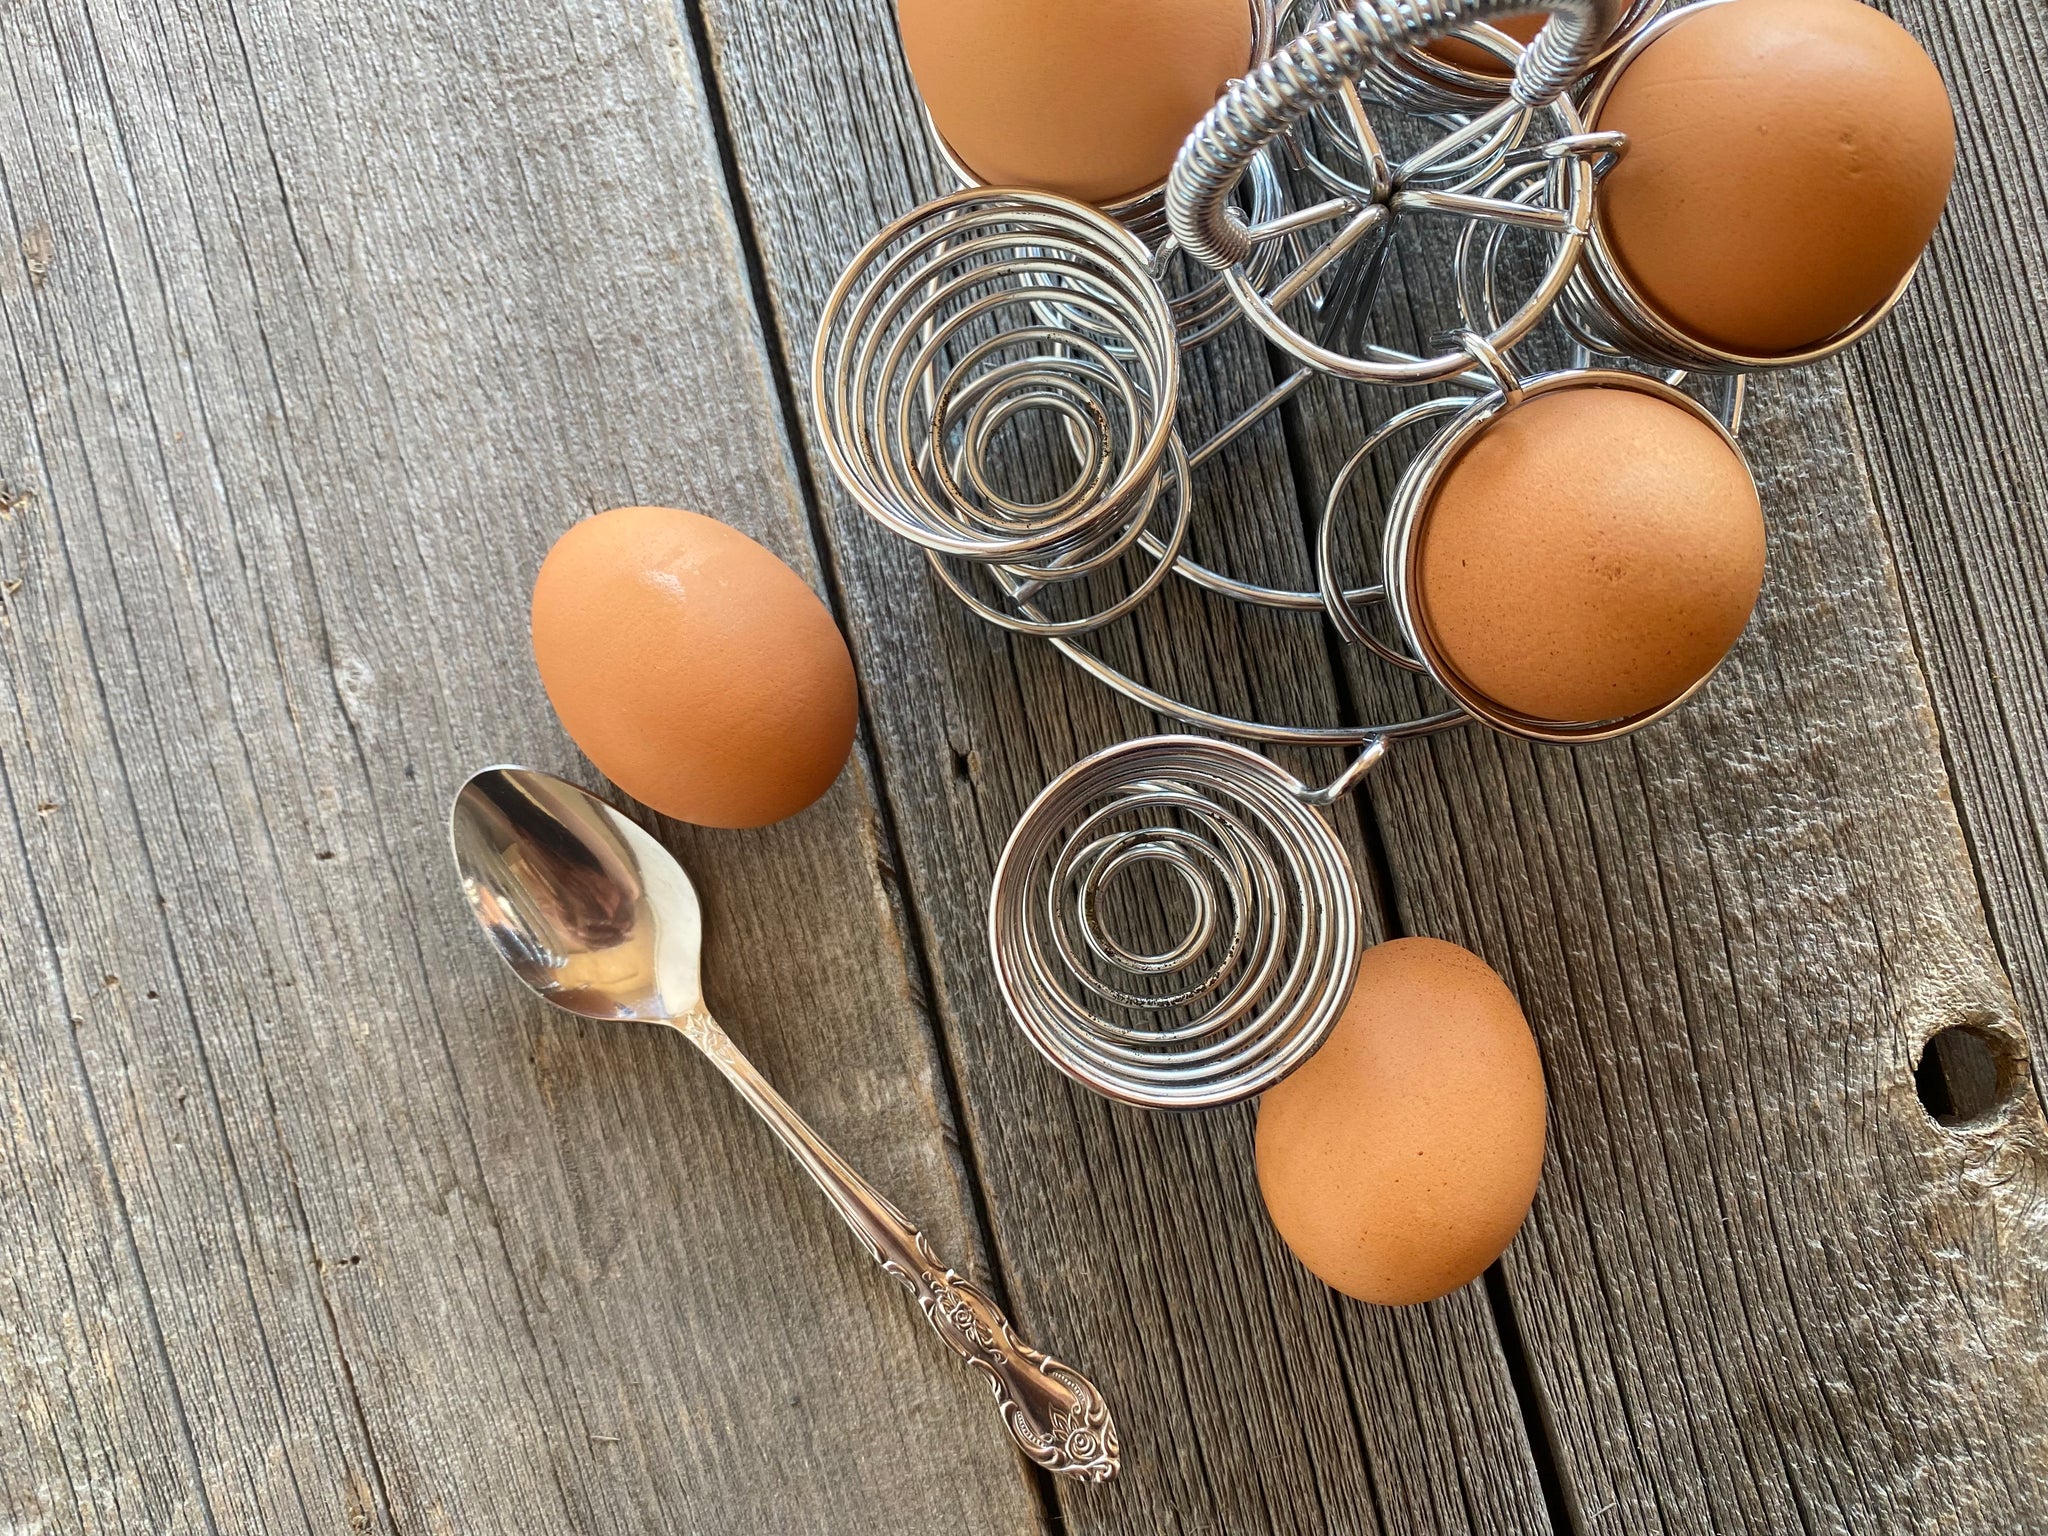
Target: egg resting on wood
1400,1160
695,669
1087,98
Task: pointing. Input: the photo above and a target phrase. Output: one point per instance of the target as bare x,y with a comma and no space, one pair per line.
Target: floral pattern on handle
1054,1413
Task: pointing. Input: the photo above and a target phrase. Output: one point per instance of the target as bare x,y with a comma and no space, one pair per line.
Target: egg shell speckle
1592,553
1402,1158
1787,163
695,669
1087,98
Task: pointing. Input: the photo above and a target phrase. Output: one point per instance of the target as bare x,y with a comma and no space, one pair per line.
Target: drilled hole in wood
1965,1075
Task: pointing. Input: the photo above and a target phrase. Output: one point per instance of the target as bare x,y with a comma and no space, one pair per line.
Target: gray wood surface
1951,399
1254,1399
321,321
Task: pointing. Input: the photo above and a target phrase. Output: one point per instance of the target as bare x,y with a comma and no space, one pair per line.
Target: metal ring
1605,310
933,342
1417,80
1170,491
1338,601
1507,382
1503,179
1261,969
1410,509
1202,305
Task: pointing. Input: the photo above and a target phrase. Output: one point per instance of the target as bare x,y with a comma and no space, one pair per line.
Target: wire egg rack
991,307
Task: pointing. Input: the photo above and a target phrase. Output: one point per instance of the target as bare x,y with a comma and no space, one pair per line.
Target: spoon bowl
587,909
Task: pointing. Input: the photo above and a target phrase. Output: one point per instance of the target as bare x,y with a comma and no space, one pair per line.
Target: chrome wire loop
1401,537
971,320
1315,66
1343,604
1602,309
1202,305
1540,184
1263,959
1494,170
1173,922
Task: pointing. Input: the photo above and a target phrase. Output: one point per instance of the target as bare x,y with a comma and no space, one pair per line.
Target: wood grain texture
1763,1290
1951,399
1252,1399
1748,922
319,322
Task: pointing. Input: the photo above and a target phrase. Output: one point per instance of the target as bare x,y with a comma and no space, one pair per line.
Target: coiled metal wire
976,314
1258,973
1202,305
1604,311
1313,67
1417,80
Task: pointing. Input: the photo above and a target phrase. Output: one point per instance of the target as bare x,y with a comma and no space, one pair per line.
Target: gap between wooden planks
319,323
1763,1287
333,319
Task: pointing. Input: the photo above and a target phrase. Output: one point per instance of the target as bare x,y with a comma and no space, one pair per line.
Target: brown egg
1400,1160
1787,163
695,669
1593,553
1089,98
1456,50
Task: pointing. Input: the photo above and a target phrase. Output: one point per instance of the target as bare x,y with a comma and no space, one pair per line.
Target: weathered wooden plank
1951,398
1252,1400
319,323
1763,1290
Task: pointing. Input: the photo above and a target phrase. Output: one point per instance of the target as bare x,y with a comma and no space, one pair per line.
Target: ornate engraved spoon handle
1056,1414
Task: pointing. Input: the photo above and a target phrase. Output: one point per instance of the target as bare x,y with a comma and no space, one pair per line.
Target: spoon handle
1056,1414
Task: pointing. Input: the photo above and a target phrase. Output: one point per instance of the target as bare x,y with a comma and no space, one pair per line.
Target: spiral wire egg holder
1606,312
991,305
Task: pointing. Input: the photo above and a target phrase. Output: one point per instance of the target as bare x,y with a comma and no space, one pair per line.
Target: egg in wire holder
1201,304
1271,941
991,304
1607,313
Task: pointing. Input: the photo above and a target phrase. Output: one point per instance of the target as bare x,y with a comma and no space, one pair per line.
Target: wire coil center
1183,1014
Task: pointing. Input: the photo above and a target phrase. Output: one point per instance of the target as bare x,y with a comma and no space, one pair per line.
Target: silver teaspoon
599,919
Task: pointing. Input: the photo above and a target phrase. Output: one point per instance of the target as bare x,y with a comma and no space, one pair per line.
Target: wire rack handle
1314,67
